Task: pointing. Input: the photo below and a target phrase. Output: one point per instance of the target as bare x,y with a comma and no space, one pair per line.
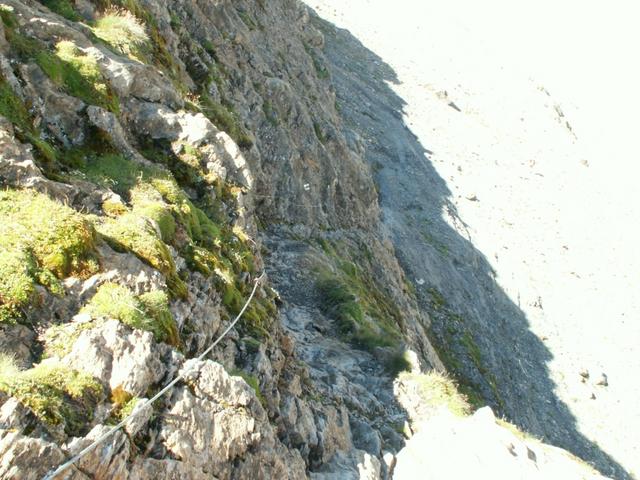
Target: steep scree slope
155,157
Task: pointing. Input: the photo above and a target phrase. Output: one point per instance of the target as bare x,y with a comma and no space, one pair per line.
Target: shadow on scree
483,336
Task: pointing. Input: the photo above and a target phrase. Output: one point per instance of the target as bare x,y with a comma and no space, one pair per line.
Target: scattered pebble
584,374
603,381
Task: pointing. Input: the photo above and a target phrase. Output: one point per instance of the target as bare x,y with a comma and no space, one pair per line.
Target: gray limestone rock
18,342
26,458
121,357
300,170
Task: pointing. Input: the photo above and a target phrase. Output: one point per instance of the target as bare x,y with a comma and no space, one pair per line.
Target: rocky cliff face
155,158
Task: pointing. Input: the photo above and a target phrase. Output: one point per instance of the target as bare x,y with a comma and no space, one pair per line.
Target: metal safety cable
51,475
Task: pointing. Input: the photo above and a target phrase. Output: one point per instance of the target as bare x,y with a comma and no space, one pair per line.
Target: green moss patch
111,170
61,239
130,233
64,8
339,300
78,74
364,314
196,223
41,242
148,203
123,411
17,284
156,305
149,311
437,390
56,394
13,108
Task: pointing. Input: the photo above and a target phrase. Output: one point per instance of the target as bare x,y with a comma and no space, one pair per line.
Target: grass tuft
41,242
155,49
365,315
156,305
149,311
123,31
56,394
437,390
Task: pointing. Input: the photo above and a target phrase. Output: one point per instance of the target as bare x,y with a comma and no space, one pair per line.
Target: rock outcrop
198,143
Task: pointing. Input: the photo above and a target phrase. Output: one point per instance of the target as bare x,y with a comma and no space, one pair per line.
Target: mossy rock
155,50
358,316
232,298
58,340
148,203
64,8
56,394
158,213
13,108
41,242
223,117
113,171
436,390
17,283
61,239
130,233
71,69
154,193
149,311
78,74
196,223
156,306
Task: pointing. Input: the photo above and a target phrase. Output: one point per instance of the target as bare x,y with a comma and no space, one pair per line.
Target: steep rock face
208,150
278,85
258,73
